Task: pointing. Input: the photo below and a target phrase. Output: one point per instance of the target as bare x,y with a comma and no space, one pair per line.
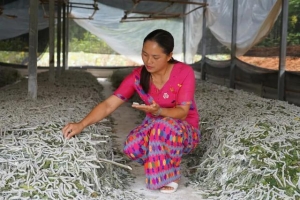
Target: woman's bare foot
164,188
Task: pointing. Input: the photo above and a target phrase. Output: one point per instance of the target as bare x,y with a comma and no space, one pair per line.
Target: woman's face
154,58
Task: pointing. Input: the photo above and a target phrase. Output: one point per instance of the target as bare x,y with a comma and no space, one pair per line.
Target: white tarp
255,20
127,38
11,27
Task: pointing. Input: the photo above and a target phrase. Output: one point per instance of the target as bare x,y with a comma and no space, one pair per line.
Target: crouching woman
171,126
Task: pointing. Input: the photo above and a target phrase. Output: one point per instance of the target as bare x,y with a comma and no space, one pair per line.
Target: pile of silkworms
37,162
250,146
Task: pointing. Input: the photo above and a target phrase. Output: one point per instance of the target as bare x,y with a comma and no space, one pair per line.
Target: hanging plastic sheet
14,20
127,38
255,20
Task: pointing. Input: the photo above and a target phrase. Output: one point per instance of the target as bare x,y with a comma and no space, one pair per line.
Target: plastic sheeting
11,27
255,19
127,38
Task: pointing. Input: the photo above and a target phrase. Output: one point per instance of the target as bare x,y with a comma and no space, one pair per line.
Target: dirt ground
292,63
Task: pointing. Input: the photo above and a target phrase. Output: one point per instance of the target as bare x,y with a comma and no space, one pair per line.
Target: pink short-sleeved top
178,90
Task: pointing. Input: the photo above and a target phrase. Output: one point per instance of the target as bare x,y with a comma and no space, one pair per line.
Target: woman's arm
98,113
184,98
179,112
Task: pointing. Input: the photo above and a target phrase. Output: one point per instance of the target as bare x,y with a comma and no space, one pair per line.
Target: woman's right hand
72,129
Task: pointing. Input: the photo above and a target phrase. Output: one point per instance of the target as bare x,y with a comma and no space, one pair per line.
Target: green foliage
293,21
15,50
13,44
270,42
293,37
294,16
89,43
82,40
294,7
13,56
8,76
21,43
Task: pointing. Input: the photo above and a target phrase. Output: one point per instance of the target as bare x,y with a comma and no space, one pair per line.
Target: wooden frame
160,14
70,5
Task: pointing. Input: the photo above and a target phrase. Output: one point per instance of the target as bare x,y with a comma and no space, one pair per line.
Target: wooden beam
159,14
154,13
180,2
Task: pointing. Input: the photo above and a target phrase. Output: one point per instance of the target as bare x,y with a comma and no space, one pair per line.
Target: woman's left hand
153,108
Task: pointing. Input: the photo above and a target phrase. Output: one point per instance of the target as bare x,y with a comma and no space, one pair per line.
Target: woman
170,128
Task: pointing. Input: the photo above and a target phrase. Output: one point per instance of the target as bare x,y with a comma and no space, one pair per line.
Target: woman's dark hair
166,41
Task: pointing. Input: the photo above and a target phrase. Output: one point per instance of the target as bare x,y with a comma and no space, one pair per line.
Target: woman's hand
153,108
72,129
98,113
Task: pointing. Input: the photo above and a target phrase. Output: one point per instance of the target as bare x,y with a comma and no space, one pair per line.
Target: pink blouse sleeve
126,88
187,89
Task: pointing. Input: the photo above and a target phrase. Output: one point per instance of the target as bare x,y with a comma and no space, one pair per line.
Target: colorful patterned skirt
158,144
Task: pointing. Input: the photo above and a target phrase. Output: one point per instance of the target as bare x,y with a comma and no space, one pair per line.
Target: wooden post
233,43
203,59
51,40
58,49
283,44
183,36
67,38
64,36
33,41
